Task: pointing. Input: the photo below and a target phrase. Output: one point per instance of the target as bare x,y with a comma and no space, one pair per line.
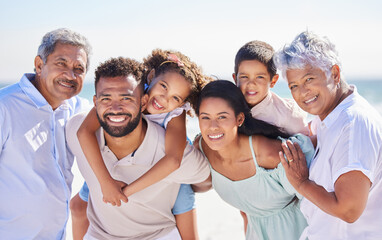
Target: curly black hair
115,67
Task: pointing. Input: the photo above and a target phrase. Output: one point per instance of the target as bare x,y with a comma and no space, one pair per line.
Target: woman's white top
348,139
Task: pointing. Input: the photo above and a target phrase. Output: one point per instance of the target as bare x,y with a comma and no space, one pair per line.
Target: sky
208,31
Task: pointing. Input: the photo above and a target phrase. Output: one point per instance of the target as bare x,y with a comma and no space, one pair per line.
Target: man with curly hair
130,145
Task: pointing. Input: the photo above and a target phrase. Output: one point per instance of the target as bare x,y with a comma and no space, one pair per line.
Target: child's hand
112,192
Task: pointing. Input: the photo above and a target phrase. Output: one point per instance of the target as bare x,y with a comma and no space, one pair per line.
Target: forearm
323,199
344,207
159,171
94,157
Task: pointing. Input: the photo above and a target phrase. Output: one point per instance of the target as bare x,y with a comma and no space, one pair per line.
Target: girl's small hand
295,166
112,192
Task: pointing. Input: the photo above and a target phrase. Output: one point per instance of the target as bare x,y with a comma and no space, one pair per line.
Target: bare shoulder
266,151
196,141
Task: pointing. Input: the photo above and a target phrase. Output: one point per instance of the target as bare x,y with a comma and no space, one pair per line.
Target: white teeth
116,118
65,84
251,92
311,100
157,104
215,136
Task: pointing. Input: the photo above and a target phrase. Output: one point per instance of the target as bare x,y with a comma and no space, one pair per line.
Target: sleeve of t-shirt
71,129
357,149
193,169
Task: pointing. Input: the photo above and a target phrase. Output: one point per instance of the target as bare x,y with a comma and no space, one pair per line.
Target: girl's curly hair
160,61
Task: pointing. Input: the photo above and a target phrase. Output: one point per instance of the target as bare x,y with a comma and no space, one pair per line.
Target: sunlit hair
160,61
259,51
232,95
307,49
116,67
63,36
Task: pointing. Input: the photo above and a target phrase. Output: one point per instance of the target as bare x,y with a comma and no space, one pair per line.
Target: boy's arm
111,190
175,142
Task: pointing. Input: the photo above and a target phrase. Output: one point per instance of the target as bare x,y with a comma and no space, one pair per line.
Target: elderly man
130,145
35,166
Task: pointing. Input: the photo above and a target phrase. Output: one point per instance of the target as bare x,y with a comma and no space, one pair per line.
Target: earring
240,124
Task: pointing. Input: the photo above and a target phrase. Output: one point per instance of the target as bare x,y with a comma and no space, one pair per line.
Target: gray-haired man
35,166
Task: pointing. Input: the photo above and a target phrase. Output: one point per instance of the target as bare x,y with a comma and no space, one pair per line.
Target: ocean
216,219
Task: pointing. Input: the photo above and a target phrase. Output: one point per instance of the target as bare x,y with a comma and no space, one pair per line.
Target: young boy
255,73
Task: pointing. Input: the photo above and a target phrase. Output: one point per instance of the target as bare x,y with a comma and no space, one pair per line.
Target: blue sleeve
185,201
307,148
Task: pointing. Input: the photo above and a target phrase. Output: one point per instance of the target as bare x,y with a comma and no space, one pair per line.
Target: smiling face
254,81
118,104
313,91
167,92
218,123
62,76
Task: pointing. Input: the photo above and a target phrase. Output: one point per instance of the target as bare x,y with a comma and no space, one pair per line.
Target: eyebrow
108,95
307,74
220,113
59,58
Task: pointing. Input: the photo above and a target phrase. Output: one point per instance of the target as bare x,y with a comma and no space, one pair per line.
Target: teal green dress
266,198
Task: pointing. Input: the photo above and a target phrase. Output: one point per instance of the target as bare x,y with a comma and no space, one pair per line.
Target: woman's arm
351,189
111,190
175,142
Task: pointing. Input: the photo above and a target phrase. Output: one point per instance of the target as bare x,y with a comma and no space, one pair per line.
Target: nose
69,74
304,90
115,106
214,124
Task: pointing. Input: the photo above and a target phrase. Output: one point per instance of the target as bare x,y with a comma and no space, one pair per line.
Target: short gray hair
307,49
64,36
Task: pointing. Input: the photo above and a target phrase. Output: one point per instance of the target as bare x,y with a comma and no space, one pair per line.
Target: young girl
173,86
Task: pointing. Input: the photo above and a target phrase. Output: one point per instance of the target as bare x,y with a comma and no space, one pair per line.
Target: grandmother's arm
351,189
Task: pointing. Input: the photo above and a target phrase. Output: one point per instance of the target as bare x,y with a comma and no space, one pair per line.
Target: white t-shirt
281,112
148,214
349,138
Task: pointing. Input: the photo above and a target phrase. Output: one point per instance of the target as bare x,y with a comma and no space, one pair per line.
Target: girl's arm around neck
111,190
175,142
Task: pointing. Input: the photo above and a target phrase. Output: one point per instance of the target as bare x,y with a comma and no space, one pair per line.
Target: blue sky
209,32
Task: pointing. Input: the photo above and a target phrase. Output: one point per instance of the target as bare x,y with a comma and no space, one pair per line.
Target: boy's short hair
256,50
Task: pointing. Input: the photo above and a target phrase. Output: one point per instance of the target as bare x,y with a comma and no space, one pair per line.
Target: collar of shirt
332,117
140,156
264,105
35,96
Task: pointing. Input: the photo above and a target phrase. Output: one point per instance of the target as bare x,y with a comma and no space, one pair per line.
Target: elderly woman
343,185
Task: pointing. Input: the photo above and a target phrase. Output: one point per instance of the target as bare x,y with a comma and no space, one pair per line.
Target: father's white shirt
147,215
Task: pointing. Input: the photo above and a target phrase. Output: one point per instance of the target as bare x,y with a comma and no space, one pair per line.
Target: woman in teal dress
245,165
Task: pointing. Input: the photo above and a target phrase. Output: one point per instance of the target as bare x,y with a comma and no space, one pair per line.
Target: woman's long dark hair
230,93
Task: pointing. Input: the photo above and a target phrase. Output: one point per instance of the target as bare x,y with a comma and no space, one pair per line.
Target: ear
336,75
94,100
151,76
234,77
144,100
274,80
38,64
240,119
